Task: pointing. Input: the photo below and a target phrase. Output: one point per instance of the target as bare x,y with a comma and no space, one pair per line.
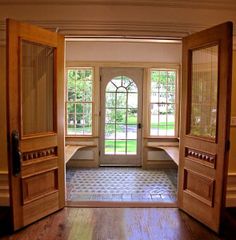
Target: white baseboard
4,189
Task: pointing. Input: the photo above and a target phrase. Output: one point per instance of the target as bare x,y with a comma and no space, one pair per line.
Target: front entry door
121,90
35,60
205,118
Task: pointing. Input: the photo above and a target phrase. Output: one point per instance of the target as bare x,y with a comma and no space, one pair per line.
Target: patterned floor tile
121,184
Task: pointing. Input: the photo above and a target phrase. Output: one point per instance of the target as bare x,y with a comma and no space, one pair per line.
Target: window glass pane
121,100
132,100
131,147
79,129
204,92
109,146
132,117
110,131
79,108
120,146
171,77
71,86
162,103
80,83
132,87
132,131
117,82
110,116
126,81
88,91
155,97
79,91
87,108
71,120
79,119
111,87
87,120
37,80
121,115
70,108
87,129
120,131
110,100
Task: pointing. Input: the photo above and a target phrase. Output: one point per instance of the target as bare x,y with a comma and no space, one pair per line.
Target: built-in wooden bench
172,150
71,149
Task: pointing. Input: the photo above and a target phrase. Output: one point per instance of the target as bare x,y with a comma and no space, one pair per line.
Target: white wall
124,51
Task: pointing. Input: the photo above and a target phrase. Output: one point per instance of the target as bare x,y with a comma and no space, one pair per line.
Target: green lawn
78,131
162,125
120,146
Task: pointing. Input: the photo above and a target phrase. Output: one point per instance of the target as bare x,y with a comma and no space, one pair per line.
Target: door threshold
119,165
119,204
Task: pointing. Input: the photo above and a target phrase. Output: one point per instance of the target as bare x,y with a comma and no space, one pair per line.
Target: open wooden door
35,65
205,119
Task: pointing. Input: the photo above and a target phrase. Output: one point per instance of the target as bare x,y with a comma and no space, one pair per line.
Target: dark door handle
16,154
139,125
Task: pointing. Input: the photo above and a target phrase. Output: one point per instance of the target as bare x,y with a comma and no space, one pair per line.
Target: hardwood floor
116,224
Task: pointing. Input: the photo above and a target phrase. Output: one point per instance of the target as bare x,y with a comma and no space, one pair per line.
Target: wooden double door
35,60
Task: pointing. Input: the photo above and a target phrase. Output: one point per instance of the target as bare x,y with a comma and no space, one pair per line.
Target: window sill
80,137
162,139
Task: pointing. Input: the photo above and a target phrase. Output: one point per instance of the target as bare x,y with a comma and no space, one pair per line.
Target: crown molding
121,28
117,28
201,4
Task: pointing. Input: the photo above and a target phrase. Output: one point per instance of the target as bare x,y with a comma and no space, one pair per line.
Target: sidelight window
163,104
79,101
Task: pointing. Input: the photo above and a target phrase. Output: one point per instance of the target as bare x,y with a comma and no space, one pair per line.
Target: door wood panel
205,118
35,72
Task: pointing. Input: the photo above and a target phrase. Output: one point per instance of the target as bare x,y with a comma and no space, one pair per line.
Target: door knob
16,154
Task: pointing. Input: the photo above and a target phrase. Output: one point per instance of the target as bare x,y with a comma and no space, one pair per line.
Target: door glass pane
121,116
37,75
204,92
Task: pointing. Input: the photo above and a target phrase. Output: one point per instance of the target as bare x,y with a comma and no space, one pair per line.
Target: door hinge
99,153
99,114
100,78
227,145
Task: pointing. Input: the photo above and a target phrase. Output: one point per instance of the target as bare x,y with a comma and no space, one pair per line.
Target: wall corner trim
4,189
231,190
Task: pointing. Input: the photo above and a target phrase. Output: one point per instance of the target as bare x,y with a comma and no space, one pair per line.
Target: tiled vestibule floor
121,184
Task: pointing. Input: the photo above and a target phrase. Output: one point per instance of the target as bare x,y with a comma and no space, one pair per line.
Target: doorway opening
121,116
121,175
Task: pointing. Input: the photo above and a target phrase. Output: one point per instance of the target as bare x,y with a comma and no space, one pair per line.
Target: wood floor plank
116,224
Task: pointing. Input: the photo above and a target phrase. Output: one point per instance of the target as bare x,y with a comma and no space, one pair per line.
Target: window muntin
121,117
79,101
162,108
